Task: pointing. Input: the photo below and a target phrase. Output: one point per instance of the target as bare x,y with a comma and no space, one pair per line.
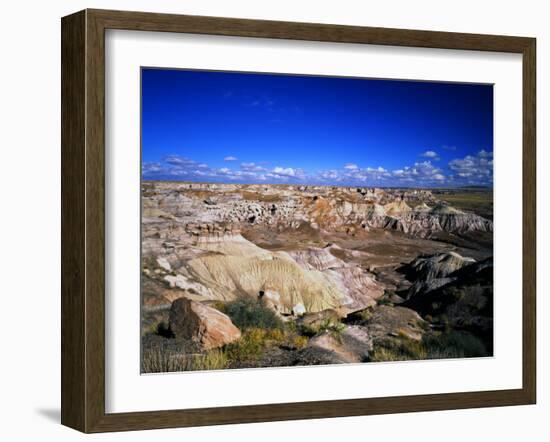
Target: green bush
251,313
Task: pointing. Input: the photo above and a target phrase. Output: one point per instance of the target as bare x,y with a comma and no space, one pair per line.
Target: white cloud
252,167
186,169
430,154
288,174
289,171
422,173
230,158
177,160
151,168
330,175
484,154
473,169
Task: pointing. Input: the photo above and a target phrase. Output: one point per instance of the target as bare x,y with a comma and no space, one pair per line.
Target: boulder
313,355
201,324
386,321
351,345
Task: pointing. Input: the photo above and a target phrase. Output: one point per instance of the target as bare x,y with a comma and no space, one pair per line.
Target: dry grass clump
447,345
157,360
401,349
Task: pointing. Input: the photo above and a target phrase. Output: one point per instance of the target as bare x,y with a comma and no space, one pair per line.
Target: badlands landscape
245,276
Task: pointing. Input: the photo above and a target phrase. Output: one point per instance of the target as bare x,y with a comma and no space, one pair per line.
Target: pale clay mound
223,266
232,245
315,279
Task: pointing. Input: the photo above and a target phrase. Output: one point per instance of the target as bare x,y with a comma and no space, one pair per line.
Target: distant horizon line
473,186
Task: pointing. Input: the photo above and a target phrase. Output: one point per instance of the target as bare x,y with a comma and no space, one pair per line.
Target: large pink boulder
202,324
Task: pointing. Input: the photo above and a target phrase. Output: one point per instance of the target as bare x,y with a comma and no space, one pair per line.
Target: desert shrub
333,327
365,315
249,347
299,342
219,305
326,325
251,313
383,354
276,334
291,326
454,344
398,349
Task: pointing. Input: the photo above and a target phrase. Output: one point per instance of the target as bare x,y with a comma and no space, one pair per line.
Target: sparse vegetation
248,313
459,344
299,342
398,349
249,348
453,344
320,326
480,202
157,360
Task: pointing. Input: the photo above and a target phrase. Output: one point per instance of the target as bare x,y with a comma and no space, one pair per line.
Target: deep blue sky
241,127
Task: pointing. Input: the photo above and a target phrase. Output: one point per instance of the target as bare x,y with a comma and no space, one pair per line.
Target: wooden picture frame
83,220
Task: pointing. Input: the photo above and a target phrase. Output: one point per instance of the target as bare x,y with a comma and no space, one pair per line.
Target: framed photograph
266,221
